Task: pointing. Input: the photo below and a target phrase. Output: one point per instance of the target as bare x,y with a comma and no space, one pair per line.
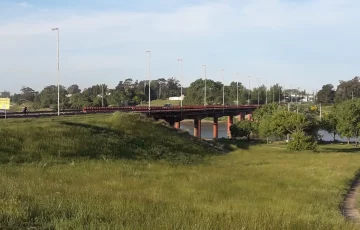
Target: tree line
134,92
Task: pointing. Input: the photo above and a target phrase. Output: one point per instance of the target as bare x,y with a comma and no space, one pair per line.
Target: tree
73,89
242,128
275,93
329,123
301,141
5,94
48,97
347,90
348,119
196,92
326,95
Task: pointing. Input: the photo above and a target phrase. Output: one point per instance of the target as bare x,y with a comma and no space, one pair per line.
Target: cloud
24,4
114,39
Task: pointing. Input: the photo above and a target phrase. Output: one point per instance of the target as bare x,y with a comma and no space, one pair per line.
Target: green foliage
347,90
242,128
348,118
326,95
300,141
329,123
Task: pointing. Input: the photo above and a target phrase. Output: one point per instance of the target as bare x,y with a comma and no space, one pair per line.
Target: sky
297,43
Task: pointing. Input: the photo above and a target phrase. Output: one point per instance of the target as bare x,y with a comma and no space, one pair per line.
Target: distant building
176,98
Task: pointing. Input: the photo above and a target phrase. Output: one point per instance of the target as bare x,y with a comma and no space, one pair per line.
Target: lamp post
222,70
148,52
266,91
237,90
58,67
205,85
249,92
181,70
258,91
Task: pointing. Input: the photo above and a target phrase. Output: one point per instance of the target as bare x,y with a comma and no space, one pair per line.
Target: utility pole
148,51
181,67
58,66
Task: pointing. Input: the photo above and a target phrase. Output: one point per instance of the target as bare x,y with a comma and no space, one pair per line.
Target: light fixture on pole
148,52
181,69
205,85
58,67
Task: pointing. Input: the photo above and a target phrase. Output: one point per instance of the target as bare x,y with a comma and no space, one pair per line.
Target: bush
300,141
242,129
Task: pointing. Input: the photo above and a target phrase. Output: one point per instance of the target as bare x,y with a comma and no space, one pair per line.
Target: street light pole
237,90
58,67
222,70
249,92
205,85
266,91
181,67
258,91
102,97
148,51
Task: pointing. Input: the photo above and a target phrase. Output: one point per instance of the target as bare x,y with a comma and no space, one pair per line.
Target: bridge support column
216,128
197,127
241,116
249,116
177,125
229,123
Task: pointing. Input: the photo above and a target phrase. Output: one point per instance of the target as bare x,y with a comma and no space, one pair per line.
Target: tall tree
348,89
326,95
73,89
348,118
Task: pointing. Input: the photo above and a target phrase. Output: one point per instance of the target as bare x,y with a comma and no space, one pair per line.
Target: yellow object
4,103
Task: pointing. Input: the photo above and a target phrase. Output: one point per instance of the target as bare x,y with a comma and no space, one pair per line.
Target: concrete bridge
175,114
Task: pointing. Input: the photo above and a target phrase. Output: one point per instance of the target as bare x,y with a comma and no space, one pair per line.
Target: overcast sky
298,43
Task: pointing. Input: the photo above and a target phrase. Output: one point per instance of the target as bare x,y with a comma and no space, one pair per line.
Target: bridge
173,115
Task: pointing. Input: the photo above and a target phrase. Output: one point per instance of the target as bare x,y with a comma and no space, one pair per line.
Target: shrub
300,141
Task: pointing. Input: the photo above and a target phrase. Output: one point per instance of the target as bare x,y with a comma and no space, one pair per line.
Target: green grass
115,136
160,103
100,187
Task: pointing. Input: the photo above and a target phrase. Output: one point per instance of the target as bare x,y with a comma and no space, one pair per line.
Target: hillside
116,136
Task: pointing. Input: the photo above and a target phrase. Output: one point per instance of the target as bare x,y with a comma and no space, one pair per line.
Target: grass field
113,173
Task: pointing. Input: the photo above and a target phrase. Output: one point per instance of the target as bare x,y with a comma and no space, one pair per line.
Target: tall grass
254,187
116,136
